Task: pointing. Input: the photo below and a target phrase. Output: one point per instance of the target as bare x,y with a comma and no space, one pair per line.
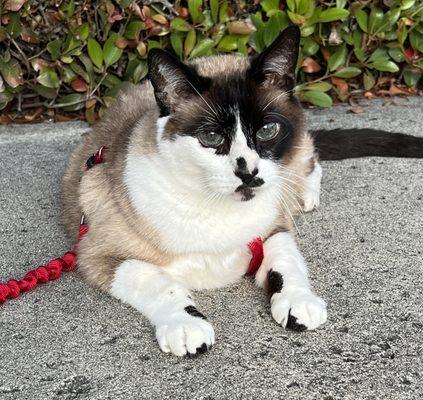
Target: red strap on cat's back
257,255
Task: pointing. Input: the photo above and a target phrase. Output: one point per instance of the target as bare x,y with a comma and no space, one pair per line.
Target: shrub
75,55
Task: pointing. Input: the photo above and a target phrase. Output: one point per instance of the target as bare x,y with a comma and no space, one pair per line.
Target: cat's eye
210,139
268,131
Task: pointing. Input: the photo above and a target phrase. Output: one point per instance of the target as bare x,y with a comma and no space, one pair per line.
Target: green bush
75,55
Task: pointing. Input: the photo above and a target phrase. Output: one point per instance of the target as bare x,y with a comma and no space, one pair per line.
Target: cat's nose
246,177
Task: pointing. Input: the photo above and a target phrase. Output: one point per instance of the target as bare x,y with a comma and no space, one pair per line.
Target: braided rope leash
53,270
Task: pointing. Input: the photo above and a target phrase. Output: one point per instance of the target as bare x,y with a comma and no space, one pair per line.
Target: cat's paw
185,335
298,310
311,197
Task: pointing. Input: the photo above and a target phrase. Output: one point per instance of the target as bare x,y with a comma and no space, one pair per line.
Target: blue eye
268,131
210,139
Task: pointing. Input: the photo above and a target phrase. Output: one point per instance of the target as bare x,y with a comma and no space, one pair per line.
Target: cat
203,158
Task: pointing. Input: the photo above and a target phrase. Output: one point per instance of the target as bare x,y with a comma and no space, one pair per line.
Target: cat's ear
172,80
275,66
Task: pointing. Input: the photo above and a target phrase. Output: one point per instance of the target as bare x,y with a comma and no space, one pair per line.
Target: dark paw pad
294,325
191,310
200,350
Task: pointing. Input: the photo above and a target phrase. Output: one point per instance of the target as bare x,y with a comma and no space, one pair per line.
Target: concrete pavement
67,341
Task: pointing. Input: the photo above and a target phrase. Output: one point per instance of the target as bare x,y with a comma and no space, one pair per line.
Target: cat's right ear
172,80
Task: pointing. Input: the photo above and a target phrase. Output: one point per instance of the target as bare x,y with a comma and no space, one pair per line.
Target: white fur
312,188
296,297
162,301
161,124
239,148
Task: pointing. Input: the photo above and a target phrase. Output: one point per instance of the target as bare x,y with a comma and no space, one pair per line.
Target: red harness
44,273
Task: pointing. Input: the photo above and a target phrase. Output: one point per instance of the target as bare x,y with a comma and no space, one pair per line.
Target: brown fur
116,231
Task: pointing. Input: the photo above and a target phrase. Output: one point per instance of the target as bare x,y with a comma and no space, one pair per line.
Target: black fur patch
294,325
275,282
191,310
200,350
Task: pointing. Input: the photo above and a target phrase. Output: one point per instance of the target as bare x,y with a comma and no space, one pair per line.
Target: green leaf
412,77
54,47
359,54
49,79
82,31
48,93
379,54
385,66
228,43
375,19
14,27
111,53
80,71
302,6
368,80
11,72
133,29
317,98
416,40
333,14
194,7
310,47
319,86
348,72
362,19
176,42
202,49
223,11
271,30
179,24
140,71
291,5
95,52
190,42
214,8
71,98
406,4
269,5
337,59
397,54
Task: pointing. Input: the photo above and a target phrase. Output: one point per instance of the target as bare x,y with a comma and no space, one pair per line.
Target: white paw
311,196
185,335
298,309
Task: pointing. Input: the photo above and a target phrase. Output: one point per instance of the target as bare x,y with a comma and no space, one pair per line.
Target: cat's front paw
185,335
298,310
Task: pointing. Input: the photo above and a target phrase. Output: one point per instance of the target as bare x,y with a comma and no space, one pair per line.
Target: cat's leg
284,274
180,328
312,182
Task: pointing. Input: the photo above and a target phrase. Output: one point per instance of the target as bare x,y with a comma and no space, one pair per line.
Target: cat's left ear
275,66
173,81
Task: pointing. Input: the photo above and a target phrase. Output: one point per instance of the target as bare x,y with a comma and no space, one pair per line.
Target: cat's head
228,122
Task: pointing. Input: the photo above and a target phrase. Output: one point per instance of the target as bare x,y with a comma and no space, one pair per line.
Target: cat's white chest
189,224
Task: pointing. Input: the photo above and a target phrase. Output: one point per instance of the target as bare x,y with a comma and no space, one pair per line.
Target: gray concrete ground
68,341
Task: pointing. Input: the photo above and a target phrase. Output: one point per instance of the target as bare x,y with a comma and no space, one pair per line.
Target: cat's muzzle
247,189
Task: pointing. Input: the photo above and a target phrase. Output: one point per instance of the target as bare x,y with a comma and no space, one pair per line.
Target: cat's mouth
247,190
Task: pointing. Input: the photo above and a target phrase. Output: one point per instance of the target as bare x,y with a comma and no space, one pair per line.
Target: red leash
45,273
